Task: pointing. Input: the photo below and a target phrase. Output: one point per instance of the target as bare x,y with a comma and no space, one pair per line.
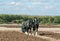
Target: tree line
6,18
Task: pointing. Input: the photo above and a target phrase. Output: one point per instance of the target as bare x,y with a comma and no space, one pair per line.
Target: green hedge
5,18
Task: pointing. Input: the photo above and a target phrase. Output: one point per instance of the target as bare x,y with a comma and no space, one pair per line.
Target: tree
57,19
17,21
2,21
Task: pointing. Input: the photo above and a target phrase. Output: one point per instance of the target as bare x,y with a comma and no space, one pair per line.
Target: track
56,30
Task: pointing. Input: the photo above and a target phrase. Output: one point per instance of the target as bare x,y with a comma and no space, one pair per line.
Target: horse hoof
26,33
29,34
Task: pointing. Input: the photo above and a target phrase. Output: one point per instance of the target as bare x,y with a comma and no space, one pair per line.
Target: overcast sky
30,7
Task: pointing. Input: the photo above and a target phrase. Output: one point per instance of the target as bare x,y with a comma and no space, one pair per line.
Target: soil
50,34
17,36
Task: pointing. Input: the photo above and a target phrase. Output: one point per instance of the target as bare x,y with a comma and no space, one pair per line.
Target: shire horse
35,26
30,26
26,26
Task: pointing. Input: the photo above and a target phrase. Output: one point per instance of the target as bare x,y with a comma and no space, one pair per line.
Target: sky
30,7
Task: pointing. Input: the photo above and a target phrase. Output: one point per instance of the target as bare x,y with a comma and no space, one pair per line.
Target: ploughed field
17,36
11,32
50,34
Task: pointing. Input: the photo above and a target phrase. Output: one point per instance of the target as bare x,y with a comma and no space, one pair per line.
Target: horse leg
36,33
32,31
26,32
36,30
29,31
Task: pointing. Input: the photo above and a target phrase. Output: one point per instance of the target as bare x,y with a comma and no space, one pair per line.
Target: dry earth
14,34
17,36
